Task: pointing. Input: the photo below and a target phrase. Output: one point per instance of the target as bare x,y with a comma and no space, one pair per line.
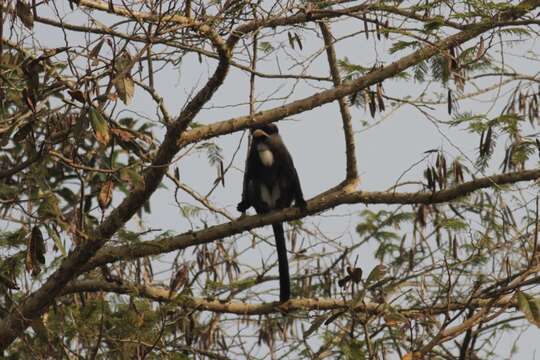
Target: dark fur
282,173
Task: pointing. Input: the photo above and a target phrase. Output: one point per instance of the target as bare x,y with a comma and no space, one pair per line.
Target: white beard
266,156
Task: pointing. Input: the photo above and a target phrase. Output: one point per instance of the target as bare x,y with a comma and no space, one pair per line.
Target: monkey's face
262,132
261,142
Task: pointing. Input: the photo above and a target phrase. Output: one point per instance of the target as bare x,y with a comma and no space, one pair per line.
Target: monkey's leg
284,280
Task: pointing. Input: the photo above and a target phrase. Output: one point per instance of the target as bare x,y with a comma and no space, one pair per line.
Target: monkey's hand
243,206
301,203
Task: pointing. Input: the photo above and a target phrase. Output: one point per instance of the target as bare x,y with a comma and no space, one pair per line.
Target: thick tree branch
348,87
34,305
350,152
20,315
9,172
242,308
327,201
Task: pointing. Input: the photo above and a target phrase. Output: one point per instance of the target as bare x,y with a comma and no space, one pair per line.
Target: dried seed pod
457,171
291,39
366,29
488,141
453,59
521,102
354,97
380,99
481,147
481,49
105,194
449,101
365,93
298,41
372,105
421,216
429,177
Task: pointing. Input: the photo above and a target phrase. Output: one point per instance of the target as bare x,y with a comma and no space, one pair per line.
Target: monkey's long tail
284,280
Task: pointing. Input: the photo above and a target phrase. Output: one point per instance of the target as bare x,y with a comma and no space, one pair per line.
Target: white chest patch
266,156
270,197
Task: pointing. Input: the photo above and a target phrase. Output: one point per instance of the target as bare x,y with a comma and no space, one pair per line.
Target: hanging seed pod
38,245
291,39
457,172
353,98
429,177
377,29
372,105
438,178
298,41
450,61
386,27
511,107
521,102
380,99
453,59
481,147
488,141
449,101
459,80
366,29
506,160
481,48
531,111
179,279
440,171
105,194
365,93
421,216
445,169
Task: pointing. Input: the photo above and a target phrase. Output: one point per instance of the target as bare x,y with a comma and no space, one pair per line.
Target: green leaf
530,307
376,274
455,224
435,24
53,234
132,177
315,325
125,87
401,45
100,126
95,51
24,13
49,207
266,47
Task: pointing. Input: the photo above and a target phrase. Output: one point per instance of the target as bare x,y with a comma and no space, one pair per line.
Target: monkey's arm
247,193
295,184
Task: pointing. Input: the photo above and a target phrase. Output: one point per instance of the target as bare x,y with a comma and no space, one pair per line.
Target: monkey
271,183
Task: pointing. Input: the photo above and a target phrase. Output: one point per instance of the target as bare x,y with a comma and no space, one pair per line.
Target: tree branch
352,172
348,87
299,304
327,201
35,304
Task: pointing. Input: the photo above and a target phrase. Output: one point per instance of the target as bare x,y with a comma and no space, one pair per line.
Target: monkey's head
262,132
